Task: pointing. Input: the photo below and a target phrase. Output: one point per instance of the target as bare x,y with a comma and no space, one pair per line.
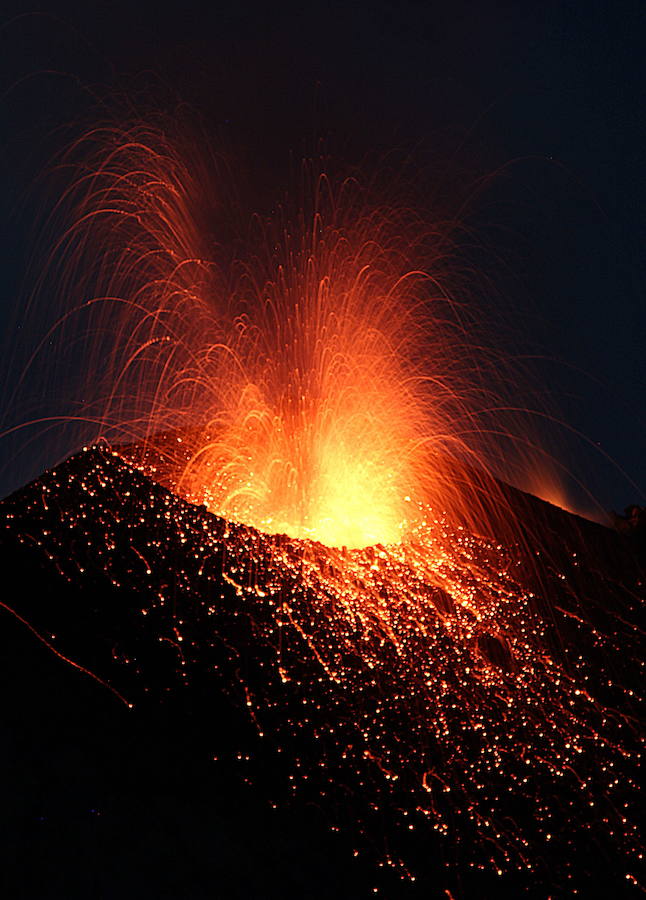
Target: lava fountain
320,385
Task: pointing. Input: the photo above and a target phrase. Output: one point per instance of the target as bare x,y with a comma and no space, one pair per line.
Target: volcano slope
194,709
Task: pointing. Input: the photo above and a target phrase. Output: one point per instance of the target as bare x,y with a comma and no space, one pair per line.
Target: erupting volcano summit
287,538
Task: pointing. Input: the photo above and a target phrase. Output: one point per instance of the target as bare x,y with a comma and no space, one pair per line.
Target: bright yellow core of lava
338,476
351,506
347,503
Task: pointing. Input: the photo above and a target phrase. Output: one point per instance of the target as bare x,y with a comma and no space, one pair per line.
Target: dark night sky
551,91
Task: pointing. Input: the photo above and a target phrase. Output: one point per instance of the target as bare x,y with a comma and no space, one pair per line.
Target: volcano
193,708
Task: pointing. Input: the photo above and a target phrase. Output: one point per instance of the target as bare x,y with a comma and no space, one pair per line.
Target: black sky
551,92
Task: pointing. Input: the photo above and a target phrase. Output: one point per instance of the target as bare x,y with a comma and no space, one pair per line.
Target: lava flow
327,401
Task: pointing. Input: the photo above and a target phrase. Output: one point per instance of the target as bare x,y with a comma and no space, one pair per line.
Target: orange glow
544,483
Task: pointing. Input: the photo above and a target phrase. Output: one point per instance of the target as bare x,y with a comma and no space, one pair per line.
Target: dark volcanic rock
101,800
142,771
